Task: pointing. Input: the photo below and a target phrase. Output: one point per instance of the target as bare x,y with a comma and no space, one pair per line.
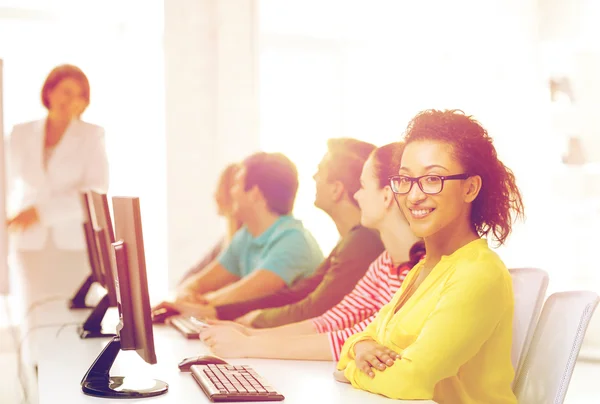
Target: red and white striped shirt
358,308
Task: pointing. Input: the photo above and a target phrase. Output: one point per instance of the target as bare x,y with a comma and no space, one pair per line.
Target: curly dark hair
499,202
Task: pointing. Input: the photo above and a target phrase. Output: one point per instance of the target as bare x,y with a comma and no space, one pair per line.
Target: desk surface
65,360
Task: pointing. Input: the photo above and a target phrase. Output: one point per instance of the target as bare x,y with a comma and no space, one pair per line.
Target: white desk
55,316
62,367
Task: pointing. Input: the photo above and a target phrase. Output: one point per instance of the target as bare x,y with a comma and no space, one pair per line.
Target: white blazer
78,163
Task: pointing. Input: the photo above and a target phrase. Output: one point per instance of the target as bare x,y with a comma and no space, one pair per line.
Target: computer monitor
103,234
135,323
96,275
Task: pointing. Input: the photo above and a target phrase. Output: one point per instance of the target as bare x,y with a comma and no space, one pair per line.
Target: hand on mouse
165,306
226,342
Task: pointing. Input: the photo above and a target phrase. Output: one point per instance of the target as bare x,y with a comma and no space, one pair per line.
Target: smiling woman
469,155
455,308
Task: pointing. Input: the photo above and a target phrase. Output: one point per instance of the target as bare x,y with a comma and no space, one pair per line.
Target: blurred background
184,87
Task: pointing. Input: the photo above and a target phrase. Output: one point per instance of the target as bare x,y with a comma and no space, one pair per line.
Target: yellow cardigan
454,334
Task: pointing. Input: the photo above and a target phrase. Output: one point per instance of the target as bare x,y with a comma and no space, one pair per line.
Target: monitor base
98,382
86,334
92,327
77,302
78,306
123,387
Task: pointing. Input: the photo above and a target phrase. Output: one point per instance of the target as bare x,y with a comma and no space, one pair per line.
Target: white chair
529,287
549,362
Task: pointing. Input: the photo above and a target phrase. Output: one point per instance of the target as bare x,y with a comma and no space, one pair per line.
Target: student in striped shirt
371,293
321,338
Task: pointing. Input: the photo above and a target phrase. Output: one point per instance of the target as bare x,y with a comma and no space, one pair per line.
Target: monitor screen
135,326
90,240
104,236
79,299
99,236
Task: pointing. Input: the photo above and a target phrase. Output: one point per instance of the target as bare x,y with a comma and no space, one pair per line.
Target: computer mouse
187,363
160,314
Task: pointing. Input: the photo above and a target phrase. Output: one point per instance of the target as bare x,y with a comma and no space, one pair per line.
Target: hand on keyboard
232,324
197,310
188,326
163,311
226,342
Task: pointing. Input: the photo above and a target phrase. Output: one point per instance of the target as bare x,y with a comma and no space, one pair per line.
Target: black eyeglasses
429,184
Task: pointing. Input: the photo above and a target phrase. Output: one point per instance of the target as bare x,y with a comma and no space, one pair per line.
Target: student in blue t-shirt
271,251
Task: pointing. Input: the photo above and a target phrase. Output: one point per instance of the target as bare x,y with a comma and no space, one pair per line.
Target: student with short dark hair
270,252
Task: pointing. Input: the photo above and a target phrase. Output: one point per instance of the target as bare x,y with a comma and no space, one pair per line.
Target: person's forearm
301,328
279,298
231,294
303,347
213,277
291,313
223,296
241,291
235,310
198,283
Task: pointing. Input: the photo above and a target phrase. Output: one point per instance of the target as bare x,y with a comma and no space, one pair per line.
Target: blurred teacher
51,161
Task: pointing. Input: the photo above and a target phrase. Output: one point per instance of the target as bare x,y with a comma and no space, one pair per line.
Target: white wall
211,115
570,32
363,70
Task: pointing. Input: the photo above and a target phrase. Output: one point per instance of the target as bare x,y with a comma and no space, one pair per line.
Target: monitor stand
97,381
92,328
78,301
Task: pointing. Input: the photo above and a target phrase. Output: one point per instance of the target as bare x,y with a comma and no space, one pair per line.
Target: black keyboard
233,383
189,327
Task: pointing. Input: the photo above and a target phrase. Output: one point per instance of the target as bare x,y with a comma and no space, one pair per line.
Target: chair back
529,288
549,362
